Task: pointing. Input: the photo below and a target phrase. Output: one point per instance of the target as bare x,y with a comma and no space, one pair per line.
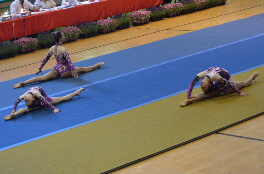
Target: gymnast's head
29,99
58,36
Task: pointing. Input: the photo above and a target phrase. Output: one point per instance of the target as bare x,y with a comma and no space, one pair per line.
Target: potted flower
173,9
123,21
8,49
220,2
140,17
88,29
189,6
45,39
213,3
107,25
26,45
200,4
210,3
71,33
157,13
178,7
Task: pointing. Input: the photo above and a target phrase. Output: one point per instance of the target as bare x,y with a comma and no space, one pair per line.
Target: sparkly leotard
41,101
223,84
63,65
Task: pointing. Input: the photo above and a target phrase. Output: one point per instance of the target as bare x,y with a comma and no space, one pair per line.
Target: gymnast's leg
82,70
199,97
89,68
57,100
20,111
243,84
49,76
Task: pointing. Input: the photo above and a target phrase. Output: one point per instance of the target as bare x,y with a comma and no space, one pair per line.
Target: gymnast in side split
36,98
64,67
216,81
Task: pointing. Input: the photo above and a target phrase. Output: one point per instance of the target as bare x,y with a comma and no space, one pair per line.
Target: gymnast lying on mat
216,81
64,67
36,98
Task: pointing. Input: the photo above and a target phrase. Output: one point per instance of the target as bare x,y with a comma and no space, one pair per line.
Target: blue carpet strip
163,63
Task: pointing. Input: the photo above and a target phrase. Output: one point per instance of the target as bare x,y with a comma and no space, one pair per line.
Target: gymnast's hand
191,97
56,110
38,72
243,93
75,73
13,111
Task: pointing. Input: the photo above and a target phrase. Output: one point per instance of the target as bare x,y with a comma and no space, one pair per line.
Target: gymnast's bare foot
20,84
254,75
184,103
78,92
99,65
9,117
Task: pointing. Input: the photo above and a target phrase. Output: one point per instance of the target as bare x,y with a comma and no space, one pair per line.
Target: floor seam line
238,136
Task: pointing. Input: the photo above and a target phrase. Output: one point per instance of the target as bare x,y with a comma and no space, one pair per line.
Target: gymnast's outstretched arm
19,100
41,98
45,60
199,76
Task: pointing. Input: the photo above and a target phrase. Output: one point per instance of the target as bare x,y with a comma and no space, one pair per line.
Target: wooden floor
238,150
235,150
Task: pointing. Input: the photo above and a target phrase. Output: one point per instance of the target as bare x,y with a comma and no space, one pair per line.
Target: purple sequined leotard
41,101
63,65
223,84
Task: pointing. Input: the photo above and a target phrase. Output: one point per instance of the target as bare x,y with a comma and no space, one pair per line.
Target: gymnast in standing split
64,67
36,98
216,81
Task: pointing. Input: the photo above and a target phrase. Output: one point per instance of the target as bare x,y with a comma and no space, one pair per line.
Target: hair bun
57,35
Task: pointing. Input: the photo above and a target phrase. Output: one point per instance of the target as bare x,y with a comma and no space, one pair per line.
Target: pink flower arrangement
200,4
71,33
173,9
168,7
26,44
220,2
140,17
107,25
178,7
